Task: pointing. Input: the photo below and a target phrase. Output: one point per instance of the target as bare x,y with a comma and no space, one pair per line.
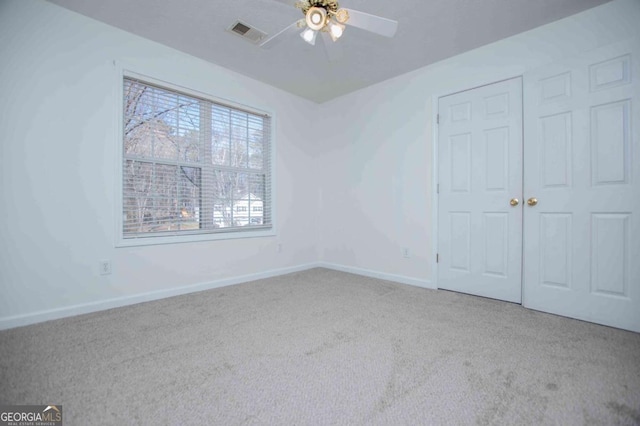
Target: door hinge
438,119
437,188
437,257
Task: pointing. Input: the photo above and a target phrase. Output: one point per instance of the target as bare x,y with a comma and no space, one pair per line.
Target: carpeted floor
324,347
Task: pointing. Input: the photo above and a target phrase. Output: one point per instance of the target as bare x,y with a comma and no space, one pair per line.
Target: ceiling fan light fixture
336,30
342,16
316,18
309,36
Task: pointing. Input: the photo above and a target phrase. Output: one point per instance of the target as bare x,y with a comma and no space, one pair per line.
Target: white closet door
582,164
480,171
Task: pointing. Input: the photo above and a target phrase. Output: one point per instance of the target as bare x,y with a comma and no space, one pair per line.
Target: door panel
555,249
480,171
581,250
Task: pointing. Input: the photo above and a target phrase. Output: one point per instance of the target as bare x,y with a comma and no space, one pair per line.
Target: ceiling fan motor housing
331,6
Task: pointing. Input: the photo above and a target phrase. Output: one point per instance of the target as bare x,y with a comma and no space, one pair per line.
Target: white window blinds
191,165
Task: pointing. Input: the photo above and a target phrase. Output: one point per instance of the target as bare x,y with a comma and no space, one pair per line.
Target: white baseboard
85,308
68,311
380,275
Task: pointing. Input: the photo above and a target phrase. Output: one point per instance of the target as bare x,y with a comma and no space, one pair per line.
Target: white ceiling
428,31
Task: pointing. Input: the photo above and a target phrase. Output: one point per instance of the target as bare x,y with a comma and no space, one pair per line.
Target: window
192,165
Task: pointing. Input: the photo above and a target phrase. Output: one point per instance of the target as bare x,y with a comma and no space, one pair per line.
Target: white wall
58,140
380,154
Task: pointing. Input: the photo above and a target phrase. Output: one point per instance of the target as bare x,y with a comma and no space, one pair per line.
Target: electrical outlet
406,253
279,248
105,267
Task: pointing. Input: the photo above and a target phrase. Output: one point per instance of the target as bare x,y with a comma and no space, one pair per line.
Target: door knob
514,202
532,202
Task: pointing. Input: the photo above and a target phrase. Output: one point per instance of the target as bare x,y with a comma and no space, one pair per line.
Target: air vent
247,32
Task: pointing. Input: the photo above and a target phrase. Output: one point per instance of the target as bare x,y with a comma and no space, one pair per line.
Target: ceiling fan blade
276,38
333,49
375,24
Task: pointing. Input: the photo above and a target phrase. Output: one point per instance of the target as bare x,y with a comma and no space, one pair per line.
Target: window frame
123,72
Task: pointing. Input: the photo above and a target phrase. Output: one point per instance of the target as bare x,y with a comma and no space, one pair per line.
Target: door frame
435,134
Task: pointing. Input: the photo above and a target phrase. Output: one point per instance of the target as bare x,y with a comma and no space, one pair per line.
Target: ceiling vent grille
247,32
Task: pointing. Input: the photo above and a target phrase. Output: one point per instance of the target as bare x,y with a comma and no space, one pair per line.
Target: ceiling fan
327,18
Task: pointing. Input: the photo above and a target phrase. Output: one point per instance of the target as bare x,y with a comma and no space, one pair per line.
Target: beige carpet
324,347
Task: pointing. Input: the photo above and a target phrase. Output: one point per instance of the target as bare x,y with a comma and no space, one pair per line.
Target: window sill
193,238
